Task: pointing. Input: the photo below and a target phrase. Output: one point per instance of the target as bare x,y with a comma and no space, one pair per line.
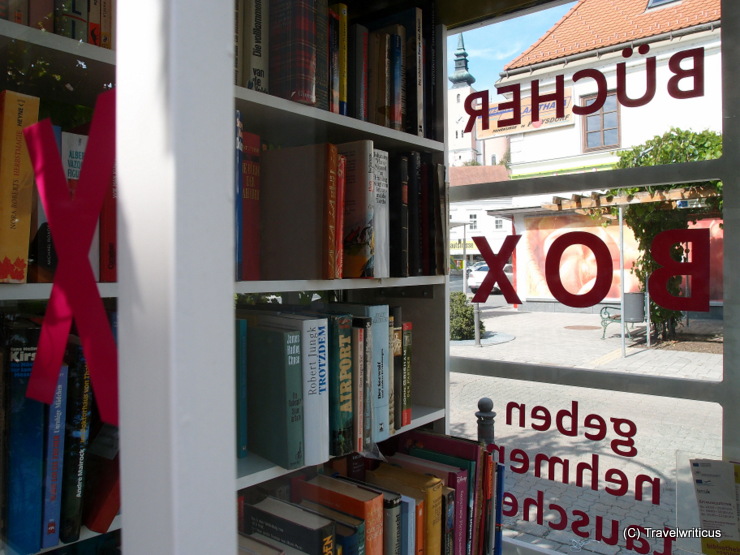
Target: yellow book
16,184
428,487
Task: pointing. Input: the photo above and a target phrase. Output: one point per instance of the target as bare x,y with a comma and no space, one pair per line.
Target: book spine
330,215
250,197
397,355
239,40
414,204
399,216
54,462
25,446
292,58
70,19
16,185
41,14
381,216
341,200
109,235
498,510
340,382
418,75
314,542
241,388
257,45
18,11
238,187
357,80
368,423
448,521
77,431
378,76
94,31
333,56
395,71
107,11
322,46
358,384
380,385
343,14
315,348
392,528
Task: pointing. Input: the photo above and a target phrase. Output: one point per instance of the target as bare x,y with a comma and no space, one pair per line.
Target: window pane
611,119
593,123
611,137
611,103
593,140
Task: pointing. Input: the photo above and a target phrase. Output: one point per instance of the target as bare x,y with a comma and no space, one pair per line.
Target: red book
293,50
339,233
250,197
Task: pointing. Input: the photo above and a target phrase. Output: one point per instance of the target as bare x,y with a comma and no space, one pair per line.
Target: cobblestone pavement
615,489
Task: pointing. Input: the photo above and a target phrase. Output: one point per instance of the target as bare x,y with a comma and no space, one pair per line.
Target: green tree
647,219
462,318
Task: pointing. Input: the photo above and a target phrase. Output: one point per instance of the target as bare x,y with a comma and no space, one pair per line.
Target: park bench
611,315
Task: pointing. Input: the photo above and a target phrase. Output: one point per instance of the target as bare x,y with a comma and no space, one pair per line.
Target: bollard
485,416
476,323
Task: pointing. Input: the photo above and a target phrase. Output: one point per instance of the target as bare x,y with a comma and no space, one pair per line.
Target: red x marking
496,273
74,294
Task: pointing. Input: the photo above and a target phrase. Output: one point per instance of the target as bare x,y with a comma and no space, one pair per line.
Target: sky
491,47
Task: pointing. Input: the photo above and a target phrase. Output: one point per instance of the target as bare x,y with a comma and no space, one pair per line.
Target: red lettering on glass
601,85
696,72
475,112
650,78
697,269
515,104
558,97
496,273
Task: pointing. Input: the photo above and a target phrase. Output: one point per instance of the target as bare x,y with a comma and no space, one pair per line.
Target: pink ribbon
74,293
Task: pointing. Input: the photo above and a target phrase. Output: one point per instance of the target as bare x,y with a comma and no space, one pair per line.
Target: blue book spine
238,186
25,447
498,534
380,373
54,461
408,525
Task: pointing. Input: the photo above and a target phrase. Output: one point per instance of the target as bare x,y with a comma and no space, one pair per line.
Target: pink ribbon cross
74,293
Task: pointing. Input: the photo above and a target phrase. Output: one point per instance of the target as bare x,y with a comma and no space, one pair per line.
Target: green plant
648,219
462,318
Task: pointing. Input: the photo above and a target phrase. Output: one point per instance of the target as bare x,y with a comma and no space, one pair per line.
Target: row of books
27,252
90,21
433,493
61,469
329,211
379,69
334,378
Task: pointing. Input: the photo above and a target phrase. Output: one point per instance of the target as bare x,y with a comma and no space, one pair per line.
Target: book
357,77
381,217
16,184
391,517
322,45
275,388
361,370
107,26
380,354
253,545
70,19
498,545
448,521
18,11
408,524
398,219
351,498
406,410
240,38
41,14
392,426
427,487
414,209
108,236
241,358
430,60
24,437
359,206
378,95
238,187
340,385
350,530
76,441
291,524
456,451
314,340
396,75
102,500
453,477
94,31
343,54
53,464
307,176
333,59
339,233
250,197
396,347
292,50
256,46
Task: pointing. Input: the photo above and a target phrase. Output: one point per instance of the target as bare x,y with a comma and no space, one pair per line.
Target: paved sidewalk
563,516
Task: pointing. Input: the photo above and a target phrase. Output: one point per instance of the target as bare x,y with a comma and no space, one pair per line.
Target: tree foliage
648,219
462,318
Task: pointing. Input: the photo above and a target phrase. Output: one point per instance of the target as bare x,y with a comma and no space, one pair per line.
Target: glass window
656,3
473,221
602,128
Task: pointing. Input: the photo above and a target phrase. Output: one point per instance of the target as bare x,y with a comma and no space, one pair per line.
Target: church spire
462,76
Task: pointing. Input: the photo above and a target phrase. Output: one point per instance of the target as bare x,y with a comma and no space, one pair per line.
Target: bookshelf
173,73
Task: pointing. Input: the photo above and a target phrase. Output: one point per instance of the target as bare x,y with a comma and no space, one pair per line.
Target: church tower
463,147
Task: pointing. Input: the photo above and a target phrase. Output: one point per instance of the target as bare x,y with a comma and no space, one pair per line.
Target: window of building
458,98
601,130
473,221
656,3
498,223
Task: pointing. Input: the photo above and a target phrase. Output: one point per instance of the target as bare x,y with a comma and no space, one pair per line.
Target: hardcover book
361,385
406,410
379,78
397,356
357,84
41,14
250,205
307,175
107,27
398,199
391,517
103,481
359,208
381,216
53,465
323,46
350,530
94,30
238,187
241,387
16,184
290,524
292,50
340,385
343,53
349,498
414,207
108,234
339,233
257,45
76,441
275,388
25,438
253,545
